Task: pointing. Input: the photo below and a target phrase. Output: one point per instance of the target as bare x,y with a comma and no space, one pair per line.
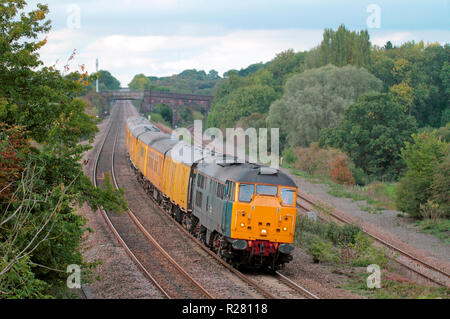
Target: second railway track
412,263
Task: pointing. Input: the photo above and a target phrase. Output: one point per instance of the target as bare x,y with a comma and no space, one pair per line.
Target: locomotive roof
245,172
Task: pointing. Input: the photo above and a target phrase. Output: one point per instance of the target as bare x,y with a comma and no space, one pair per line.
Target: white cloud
126,55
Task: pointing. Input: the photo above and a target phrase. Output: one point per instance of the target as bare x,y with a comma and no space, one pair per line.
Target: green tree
342,47
422,157
165,111
416,74
140,83
440,187
39,224
108,81
317,99
242,102
372,133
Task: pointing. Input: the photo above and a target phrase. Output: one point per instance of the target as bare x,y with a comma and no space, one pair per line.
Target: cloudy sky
165,37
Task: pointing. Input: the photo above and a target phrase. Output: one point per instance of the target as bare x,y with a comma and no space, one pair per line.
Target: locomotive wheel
202,234
187,221
217,244
195,227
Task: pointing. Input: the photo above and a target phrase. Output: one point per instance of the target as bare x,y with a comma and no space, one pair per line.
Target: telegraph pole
96,82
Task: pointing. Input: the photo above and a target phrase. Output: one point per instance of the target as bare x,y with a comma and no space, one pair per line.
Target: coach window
246,192
287,196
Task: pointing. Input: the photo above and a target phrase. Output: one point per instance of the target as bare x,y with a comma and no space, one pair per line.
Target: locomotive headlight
263,232
284,228
242,225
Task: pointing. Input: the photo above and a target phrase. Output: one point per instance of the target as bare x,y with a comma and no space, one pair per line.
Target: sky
165,37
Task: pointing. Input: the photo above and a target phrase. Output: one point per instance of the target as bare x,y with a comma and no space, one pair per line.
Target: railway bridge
151,98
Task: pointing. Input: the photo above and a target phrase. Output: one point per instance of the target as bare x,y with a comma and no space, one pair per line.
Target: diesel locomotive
244,212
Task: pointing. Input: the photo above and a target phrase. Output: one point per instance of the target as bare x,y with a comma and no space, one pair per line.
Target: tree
382,68
242,102
40,229
422,157
165,111
342,47
109,82
140,83
283,64
403,94
372,133
416,75
213,75
317,99
440,187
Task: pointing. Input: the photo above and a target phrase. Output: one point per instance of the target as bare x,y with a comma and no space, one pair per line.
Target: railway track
180,286
432,274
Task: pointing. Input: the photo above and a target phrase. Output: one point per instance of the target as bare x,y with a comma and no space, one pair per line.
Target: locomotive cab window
287,196
269,190
230,190
246,192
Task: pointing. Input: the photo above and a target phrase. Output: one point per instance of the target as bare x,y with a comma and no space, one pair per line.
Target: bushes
424,178
329,242
325,162
340,172
440,187
322,251
289,156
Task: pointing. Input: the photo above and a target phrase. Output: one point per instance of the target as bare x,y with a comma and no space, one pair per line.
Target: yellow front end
264,217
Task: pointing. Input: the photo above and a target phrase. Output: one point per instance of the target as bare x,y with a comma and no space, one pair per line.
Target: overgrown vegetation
378,195
350,251
42,183
393,287
189,82
426,178
344,245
